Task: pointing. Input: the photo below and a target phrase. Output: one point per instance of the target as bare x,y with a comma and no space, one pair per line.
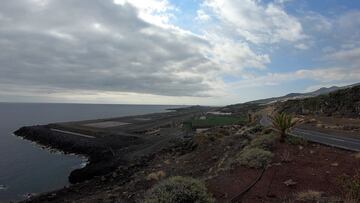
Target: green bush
263,141
295,140
179,189
254,157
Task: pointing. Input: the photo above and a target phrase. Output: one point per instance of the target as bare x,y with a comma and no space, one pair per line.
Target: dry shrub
357,155
350,186
179,189
309,195
285,156
156,175
201,138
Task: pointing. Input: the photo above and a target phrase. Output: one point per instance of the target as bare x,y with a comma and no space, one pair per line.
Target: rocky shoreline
100,158
113,153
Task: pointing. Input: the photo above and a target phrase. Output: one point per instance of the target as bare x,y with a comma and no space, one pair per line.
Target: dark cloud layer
97,45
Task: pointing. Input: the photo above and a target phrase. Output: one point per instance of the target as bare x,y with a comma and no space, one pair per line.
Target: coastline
109,151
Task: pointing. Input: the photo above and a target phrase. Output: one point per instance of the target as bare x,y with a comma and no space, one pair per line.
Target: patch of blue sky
291,59
185,14
328,8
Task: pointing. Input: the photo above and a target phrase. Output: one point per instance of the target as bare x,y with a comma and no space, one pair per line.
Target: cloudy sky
211,52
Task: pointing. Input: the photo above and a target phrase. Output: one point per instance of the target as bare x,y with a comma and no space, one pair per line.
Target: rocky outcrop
100,151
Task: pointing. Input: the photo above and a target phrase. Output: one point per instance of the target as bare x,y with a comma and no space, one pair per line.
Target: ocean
27,168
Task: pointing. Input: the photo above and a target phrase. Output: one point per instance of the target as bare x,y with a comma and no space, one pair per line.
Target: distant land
323,90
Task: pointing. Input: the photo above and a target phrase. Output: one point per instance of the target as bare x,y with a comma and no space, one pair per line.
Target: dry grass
309,195
357,155
285,156
156,175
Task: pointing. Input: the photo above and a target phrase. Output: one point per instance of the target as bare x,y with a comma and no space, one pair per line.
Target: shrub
200,138
282,123
310,195
254,157
295,140
179,189
350,186
205,137
156,175
263,141
285,156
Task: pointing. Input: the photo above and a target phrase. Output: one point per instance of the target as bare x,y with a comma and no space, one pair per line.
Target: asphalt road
343,142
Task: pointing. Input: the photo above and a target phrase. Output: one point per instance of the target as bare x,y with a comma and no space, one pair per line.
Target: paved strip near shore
342,142
106,124
73,133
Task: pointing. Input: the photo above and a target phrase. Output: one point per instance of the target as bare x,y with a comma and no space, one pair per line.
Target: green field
216,120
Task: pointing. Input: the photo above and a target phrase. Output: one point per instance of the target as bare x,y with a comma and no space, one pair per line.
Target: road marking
313,134
72,133
340,140
324,134
345,143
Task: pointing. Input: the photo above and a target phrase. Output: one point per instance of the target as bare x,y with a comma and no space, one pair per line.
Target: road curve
343,142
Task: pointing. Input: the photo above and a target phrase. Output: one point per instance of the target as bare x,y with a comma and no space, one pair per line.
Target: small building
202,118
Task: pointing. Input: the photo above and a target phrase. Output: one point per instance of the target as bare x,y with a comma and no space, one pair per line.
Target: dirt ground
312,167
307,167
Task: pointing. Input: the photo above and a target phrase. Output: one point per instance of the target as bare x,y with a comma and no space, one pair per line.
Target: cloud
256,22
235,56
99,46
349,56
157,12
125,46
201,15
321,75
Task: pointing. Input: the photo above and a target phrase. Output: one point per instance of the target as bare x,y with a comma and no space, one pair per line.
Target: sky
207,52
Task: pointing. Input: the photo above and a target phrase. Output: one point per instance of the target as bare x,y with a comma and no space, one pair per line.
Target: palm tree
282,123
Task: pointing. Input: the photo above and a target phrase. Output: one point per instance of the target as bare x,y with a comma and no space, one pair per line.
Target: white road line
72,133
329,138
340,140
323,138
324,134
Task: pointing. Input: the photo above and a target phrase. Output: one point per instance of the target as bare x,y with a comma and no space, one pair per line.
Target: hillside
344,103
291,96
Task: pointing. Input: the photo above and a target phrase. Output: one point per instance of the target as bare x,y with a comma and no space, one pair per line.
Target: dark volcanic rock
63,142
94,169
100,151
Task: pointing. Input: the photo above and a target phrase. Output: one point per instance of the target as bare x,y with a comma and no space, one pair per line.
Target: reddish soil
312,168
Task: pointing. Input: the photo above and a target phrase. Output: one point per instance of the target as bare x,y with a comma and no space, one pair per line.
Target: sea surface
27,168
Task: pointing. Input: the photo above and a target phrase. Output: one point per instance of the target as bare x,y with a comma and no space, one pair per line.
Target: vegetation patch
156,175
254,157
290,139
263,141
350,186
309,196
283,123
216,120
179,189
